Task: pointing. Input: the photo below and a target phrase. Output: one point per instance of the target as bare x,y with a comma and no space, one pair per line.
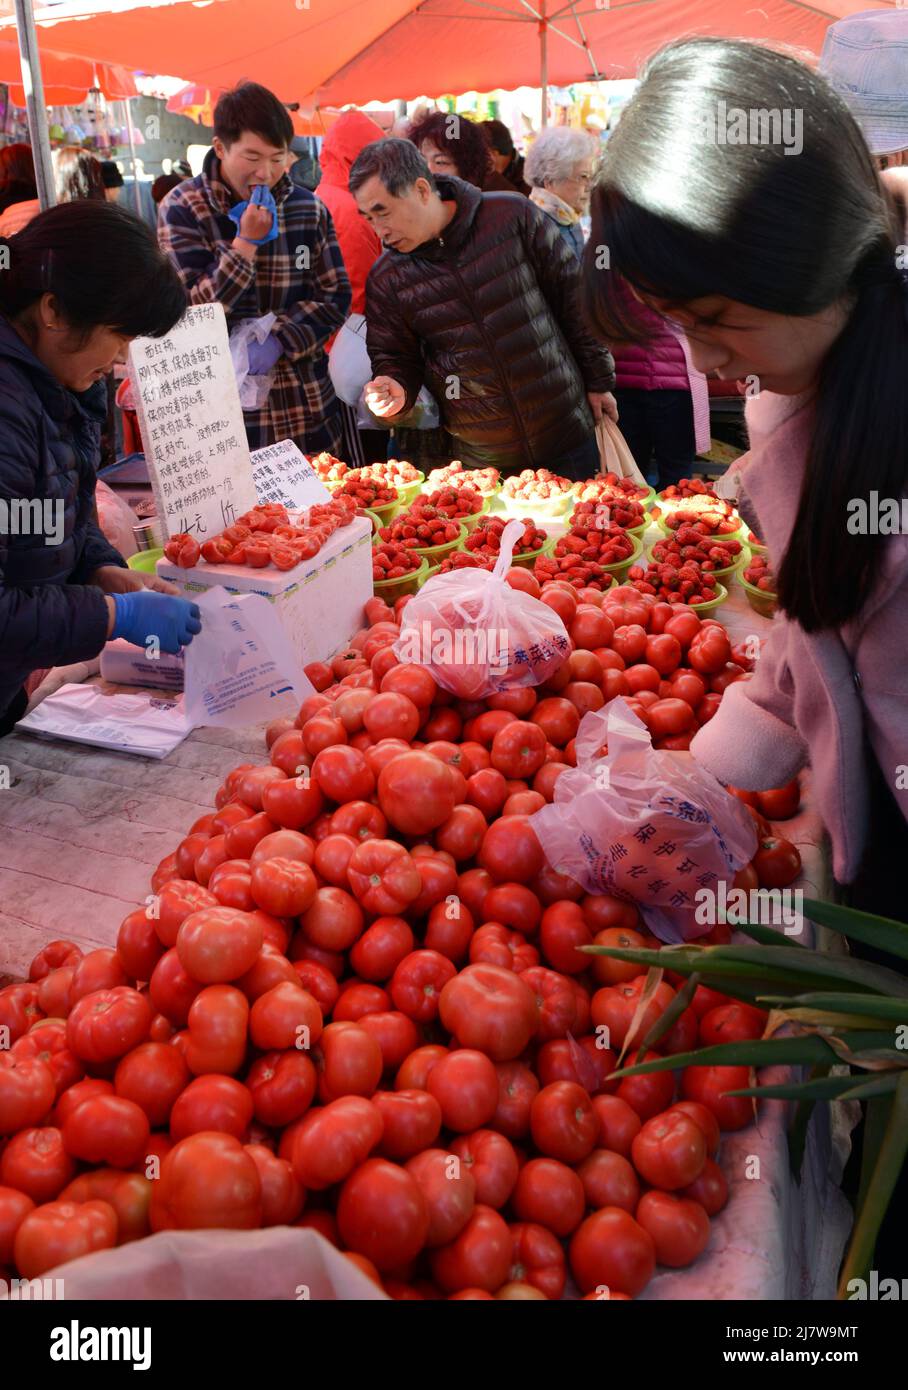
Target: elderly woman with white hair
559,168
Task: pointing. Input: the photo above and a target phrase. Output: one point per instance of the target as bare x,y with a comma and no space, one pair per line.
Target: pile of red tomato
357,1002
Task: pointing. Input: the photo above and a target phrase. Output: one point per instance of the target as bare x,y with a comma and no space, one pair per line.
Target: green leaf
764,1052
815,1088
885,1174
867,1005
669,1016
809,965
882,1084
768,936
880,932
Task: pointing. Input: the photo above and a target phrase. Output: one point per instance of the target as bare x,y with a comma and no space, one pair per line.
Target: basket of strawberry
571,569
536,489
485,540
460,560
684,583
396,570
329,470
609,546
716,555
759,584
424,530
628,514
394,473
462,504
381,498
609,487
485,481
710,521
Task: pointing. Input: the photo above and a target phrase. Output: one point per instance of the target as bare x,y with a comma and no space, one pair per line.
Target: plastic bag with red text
647,825
477,634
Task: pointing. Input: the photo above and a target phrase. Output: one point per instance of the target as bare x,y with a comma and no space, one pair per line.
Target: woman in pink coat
781,260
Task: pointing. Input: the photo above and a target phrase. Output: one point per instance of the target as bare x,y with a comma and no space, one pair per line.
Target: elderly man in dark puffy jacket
477,297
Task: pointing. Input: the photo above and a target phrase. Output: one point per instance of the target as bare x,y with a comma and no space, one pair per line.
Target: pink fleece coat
815,696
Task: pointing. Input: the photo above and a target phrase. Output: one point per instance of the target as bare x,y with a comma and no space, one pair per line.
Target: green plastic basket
145,561
436,553
407,491
391,589
528,560
472,521
762,601
710,606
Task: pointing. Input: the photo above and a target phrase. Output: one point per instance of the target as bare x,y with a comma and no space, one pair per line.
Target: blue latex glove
262,195
144,613
262,356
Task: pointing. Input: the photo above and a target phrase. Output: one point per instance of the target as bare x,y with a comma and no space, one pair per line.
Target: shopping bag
240,669
477,634
645,825
253,389
614,455
348,361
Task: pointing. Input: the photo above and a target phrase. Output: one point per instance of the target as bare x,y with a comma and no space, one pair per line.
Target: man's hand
384,396
603,403
113,579
255,221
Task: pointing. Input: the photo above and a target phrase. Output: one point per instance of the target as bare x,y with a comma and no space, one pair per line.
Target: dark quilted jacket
491,310
49,448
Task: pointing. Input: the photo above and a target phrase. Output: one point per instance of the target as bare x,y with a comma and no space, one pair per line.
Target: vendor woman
739,200
76,286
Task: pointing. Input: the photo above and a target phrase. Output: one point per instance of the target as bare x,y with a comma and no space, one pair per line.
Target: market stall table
82,831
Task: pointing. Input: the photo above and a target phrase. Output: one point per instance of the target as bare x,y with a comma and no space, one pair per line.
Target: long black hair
102,265
685,216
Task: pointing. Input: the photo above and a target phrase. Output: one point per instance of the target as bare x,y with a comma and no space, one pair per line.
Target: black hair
498,136
164,184
686,214
459,137
102,264
77,174
17,191
252,107
397,163
17,163
111,174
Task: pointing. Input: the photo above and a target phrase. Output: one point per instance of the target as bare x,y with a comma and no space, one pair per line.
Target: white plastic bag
253,389
240,669
148,725
477,634
645,824
348,361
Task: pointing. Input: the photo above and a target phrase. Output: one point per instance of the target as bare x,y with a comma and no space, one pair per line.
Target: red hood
350,134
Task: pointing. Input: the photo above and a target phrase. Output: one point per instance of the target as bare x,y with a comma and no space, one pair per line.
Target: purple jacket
657,365
814,696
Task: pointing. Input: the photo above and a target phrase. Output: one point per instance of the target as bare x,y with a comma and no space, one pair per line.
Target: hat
865,58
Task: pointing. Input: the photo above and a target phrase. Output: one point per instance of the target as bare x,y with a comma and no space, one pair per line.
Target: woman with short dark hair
452,144
79,283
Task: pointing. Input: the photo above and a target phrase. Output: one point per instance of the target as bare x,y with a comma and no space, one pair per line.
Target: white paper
192,424
122,663
241,669
148,725
283,474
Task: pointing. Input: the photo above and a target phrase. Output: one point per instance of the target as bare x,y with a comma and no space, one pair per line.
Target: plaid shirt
310,301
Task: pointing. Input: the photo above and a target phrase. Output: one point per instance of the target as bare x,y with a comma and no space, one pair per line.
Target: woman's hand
114,579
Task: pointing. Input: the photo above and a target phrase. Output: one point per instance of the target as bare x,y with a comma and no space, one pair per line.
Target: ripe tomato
465,1084
611,1250
670,1151
710,1189
396,1035
52,957
557,1002
381,948
610,971
781,803
416,792
551,1194
558,719
217,1022
53,992
282,1086
514,906
415,1069
537,1259
349,1061
777,862
139,947
609,1181
171,990
490,1009
614,1008
99,969
511,850
36,1162
219,944
412,1121
14,1207
478,1258
334,1139
128,1193
176,900
48,1044
462,833
383,876
703,1118
152,1076
241,839
449,930
517,1089
333,921
108,1023
731,1023
107,1129
650,1094
563,1122
27,1091
563,931
709,1085
282,1196
56,1232
207,1180
604,912
449,1190
211,1103
518,749
418,983
487,791
679,1227
357,1000
578,1060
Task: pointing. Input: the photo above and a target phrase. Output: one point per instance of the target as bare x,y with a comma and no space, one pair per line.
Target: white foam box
319,602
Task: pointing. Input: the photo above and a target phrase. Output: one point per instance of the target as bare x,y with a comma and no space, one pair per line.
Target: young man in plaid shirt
298,274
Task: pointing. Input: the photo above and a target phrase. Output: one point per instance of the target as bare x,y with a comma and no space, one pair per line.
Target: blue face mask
263,196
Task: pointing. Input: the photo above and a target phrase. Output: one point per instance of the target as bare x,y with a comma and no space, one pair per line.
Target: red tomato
558,719
49,1045
607,969
36,1162
514,906
282,1196
777,862
580,1061
449,1190
518,750
563,1122
396,1035
732,1023
99,969
670,1150
710,1085
537,1259
603,912
207,1180
611,1250
414,1071
128,1193
411,1119
382,1214
212,1103
490,1009
107,1129
703,1118
679,1227
52,957
465,1084
609,1181
551,1194
416,792
139,947
650,1094
557,1002
563,931
14,1207
357,1000
57,1232
217,1022
219,944
418,983
349,1061
511,851
669,717
709,650
781,803
615,1007
333,1140
710,1189
333,921
381,948
462,833
517,1089
152,1076
27,1092
478,1258
383,876
282,1086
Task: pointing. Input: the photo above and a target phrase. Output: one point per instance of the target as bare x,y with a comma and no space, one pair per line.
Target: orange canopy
67,78
329,52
